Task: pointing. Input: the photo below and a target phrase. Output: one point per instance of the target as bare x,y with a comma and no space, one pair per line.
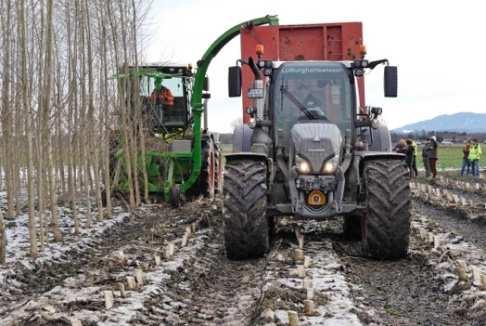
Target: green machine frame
178,163
196,99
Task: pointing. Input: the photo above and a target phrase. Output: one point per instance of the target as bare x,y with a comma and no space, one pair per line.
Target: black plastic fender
381,140
242,138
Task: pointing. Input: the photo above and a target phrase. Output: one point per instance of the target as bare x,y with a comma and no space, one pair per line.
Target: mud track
404,292
472,231
200,286
209,289
148,226
212,290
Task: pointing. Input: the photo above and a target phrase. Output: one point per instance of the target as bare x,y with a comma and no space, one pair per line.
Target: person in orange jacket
162,94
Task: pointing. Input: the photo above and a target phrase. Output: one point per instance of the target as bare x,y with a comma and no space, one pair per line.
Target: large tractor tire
387,222
246,229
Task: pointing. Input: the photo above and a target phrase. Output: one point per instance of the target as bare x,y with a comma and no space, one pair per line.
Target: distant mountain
459,122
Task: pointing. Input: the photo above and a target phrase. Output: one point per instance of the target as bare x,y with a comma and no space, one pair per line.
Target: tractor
312,152
182,159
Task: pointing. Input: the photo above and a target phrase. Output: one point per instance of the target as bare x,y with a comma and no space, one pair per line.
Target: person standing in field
426,154
466,163
429,155
434,157
474,156
412,146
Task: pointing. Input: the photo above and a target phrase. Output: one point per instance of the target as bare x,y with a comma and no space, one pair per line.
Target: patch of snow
156,280
329,281
18,245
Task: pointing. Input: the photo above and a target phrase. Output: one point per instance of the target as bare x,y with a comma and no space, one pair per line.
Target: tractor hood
317,142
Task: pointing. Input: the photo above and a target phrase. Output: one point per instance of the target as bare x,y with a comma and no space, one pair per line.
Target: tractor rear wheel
246,229
387,222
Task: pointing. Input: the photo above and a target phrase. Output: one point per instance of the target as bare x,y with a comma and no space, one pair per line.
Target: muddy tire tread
246,230
388,201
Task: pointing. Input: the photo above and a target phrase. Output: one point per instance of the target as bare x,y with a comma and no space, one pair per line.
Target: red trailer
335,42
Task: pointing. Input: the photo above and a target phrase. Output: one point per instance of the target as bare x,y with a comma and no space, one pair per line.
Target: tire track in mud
403,292
200,286
24,283
412,291
472,231
212,290
208,290
25,287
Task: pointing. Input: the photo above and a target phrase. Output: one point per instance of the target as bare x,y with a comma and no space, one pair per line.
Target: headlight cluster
304,167
329,167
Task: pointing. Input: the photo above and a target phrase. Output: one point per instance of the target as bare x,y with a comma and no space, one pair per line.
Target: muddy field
160,266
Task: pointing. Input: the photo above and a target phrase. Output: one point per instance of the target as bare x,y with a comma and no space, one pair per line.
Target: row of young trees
59,103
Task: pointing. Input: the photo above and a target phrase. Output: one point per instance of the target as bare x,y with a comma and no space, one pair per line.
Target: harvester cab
313,152
181,157
165,92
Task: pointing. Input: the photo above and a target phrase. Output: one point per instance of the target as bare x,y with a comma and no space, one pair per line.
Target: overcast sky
439,47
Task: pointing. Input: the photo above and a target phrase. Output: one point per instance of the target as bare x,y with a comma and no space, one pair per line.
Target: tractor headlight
302,165
329,167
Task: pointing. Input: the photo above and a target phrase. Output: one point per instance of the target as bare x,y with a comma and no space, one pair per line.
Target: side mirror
206,84
234,81
391,81
376,111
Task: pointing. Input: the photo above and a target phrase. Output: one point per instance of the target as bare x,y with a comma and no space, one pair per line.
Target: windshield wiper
297,103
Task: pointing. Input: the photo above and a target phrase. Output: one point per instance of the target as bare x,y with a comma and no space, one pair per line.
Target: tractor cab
165,92
311,92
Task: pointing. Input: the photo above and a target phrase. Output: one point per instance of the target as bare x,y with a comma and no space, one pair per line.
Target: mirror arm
372,64
254,69
362,123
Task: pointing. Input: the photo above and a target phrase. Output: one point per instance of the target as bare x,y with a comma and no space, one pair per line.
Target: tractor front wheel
387,220
246,229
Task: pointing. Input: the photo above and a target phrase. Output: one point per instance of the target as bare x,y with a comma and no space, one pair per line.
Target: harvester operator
161,94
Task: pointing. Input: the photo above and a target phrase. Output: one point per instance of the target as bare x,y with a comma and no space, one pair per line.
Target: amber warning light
259,49
362,50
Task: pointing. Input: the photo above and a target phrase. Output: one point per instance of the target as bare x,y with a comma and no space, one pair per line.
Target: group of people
470,161
429,156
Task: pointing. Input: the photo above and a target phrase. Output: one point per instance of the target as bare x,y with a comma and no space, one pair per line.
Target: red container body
336,42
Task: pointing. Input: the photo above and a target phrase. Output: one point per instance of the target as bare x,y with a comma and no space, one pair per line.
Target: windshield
311,91
167,101
174,84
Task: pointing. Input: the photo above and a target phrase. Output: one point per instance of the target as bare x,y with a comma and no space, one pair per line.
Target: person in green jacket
474,157
411,143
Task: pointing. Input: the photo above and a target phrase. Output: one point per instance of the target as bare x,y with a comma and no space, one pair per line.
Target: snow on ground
328,280
86,303
450,252
331,291
156,283
18,245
